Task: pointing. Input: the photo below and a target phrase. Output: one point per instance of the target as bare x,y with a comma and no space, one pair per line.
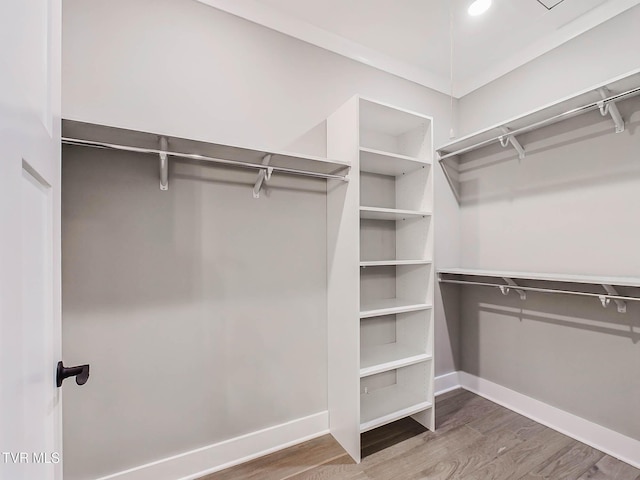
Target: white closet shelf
377,116
166,147
548,277
602,97
602,288
388,404
387,163
389,306
393,263
382,358
378,213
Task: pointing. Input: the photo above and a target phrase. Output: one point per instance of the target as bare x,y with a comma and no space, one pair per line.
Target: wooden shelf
389,306
378,213
548,277
393,263
382,358
387,405
387,163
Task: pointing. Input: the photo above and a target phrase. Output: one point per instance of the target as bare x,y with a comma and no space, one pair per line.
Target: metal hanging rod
600,104
193,156
604,298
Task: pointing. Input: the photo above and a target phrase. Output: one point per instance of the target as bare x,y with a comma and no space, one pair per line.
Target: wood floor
475,439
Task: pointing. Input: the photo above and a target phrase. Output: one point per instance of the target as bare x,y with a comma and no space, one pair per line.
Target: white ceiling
411,38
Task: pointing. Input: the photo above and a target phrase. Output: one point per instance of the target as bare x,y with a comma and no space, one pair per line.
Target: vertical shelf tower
380,270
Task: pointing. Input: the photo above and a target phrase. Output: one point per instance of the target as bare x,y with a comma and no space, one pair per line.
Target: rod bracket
511,283
164,164
621,304
263,175
507,139
610,108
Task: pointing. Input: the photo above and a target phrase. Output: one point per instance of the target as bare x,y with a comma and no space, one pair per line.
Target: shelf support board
164,164
507,139
263,175
610,108
621,304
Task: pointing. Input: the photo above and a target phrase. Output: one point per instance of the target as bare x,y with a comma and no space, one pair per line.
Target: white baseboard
608,441
445,383
212,458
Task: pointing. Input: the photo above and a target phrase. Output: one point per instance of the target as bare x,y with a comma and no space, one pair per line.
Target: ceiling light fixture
479,7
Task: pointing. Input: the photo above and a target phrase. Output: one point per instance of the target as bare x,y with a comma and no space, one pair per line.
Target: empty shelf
382,358
378,213
392,263
386,163
188,150
548,277
389,306
387,405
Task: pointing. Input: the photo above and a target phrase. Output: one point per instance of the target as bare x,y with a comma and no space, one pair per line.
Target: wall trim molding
608,441
446,383
212,458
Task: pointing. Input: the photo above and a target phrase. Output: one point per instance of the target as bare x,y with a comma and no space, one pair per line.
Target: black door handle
81,372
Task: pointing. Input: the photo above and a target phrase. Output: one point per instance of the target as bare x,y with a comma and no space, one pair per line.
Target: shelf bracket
507,139
263,175
621,304
164,164
612,109
511,283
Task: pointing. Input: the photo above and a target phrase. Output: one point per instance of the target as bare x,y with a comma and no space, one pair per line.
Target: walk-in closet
289,240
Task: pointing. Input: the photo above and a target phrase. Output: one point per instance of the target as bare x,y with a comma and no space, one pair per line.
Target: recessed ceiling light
479,7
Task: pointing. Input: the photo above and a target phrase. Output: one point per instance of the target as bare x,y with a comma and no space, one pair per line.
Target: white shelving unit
380,242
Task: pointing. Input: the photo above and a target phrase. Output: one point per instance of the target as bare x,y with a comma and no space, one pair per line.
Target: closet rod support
510,139
610,108
164,164
621,304
263,175
512,283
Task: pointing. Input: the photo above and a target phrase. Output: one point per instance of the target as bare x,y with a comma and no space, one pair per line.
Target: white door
30,403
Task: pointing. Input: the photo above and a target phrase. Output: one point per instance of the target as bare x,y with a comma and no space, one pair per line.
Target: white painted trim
270,17
613,443
446,383
212,458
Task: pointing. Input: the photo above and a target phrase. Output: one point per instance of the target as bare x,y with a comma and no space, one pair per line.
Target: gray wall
568,207
216,300
201,311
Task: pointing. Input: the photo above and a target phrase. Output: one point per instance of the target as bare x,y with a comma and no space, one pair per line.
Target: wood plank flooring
475,439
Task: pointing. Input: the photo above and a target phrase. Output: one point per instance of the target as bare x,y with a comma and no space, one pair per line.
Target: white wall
184,69
592,58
